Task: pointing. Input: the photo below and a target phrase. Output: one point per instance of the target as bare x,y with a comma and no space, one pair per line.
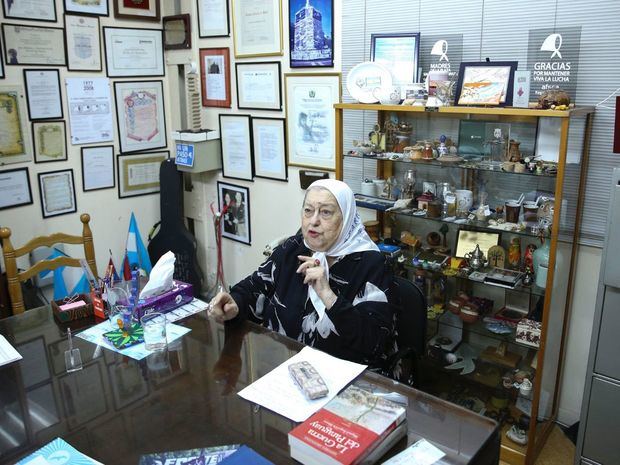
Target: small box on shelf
528,332
80,307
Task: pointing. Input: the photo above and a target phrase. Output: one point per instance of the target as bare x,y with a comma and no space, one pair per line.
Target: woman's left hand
314,275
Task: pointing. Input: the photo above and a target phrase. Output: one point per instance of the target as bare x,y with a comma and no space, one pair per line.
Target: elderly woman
326,287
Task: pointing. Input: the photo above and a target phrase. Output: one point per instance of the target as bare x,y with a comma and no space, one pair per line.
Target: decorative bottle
541,262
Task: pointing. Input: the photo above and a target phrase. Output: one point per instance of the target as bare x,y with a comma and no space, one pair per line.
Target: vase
541,263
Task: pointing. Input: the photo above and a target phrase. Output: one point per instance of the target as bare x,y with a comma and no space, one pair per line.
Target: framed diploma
14,136
140,115
87,7
236,147
143,10
310,119
258,86
213,18
269,143
398,53
215,77
43,94
235,200
50,141
97,168
90,110
311,37
32,10
15,188
177,32
33,45
133,52
57,191
1,64
138,174
83,43
257,27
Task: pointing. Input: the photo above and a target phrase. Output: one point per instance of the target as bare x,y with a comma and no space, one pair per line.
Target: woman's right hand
223,307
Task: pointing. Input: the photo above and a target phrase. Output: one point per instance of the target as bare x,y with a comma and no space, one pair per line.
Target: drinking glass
154,326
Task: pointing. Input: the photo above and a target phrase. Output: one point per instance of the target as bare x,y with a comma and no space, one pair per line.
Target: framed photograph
32,10
236,143
133,52
177,32
15,188
57,192
311,37
143,10
43,94
50,141
485,83
138,174
128,384
258,86
215,77
33,45
97,168
90,7
398,53
83,43
15,140
140,115
310,119
257,27
236,201
213,18
269,148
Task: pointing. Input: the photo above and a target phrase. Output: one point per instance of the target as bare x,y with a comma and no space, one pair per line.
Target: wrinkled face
321,219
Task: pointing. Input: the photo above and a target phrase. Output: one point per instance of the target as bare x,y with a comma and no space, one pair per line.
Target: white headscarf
352,238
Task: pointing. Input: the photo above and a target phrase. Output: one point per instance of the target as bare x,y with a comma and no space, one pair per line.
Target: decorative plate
364,78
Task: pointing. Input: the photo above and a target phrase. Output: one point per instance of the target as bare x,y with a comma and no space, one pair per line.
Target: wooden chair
15,278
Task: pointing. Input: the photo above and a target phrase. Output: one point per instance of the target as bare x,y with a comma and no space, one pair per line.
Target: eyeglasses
325,213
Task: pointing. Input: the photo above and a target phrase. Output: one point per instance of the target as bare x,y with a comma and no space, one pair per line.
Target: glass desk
116,409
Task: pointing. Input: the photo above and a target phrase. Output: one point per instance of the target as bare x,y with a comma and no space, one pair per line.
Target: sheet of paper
8,354
90,110
56,452
420,453
278,392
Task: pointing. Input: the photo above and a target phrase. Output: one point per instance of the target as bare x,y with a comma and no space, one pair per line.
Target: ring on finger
317,262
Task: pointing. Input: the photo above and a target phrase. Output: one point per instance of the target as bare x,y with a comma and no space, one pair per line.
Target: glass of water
154,325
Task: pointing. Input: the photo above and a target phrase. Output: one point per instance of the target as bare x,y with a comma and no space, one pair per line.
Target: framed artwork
15,140
215,77
177,32
50,141
311,37
127,383
43,94
485,83
258,86
138,174
33,45
399,53
236,201
236,140
269,148
257,27
213,18
143,10
310,119
90,7
83,43
57,192
32,10
140,115
97,168
133,52
15,188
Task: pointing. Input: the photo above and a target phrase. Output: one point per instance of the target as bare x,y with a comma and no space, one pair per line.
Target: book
245,456
203,456
347,430
55,452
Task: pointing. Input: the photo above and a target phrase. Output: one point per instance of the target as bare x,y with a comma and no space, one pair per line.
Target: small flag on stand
111,270
126,268
136,253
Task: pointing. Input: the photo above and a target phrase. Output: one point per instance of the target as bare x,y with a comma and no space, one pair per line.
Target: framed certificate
57,191
177,32
213,19
90,108
258,86
97,168
269,148
257,27
398,53
14,135
215,77
310,119
32,10
234,201
83,43
88,7
50,141
143,10
43,94
236,147
133,52
138,174
33,45
311,37
15,188
140,115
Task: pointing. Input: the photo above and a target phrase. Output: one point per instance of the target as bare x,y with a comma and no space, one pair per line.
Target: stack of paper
8,354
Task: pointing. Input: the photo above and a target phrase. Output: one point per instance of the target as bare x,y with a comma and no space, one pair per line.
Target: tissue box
528,332
180,294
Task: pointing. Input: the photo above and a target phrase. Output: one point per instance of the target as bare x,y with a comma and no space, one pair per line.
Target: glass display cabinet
485,204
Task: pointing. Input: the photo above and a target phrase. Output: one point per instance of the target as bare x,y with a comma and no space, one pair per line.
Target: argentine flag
68,280
136,252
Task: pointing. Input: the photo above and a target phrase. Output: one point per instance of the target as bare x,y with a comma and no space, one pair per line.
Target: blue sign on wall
185,155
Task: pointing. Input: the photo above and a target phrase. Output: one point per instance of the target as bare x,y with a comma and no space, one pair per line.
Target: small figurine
528,258
497,256
442,150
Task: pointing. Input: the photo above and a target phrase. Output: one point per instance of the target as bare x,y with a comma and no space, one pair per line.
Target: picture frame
16,147
2,75
485,83
49,139
97,168
90,108
311,96
236,146
398,52
80,409
269,148
257,28
43,97
33,10
35,349
15,185
18,49
314,49
215,77
236,219
213,18
143,178
83,43
128,384
259,86
57,193
94,7
140,127
145,10
177,32
123,46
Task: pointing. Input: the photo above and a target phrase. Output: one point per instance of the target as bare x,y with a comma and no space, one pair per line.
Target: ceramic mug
379,186
464,201
388,95
368,188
